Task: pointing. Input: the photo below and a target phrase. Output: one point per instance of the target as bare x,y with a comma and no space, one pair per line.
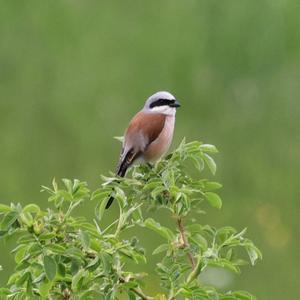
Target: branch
184,240
194,274
66,294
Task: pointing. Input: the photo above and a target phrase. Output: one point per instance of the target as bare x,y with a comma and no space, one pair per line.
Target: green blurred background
72,74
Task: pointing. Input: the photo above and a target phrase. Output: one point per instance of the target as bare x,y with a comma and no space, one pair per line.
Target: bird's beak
175,104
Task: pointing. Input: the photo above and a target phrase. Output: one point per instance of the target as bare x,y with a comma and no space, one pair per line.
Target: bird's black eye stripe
161,102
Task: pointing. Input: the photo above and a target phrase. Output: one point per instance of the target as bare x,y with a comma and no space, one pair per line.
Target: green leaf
253,253
131,295
157,191
44,288
224,263
74,252
4,209
23,279
209,148
24,264
90,294
29,290
85,239
194,228
137,215
4,292
211,185
13,278
3,233
26,238
57,249
8,220
229,254
199,163
152,184
40,278
61,270
106,262
31,208
75,266
213,199
210,163
100,194
240,234
120,196
161,248
20,253
34,249
100,208
241,295
80,274
93,264
199,240
54,184
26,218
50,267
163,231
46,236
68,184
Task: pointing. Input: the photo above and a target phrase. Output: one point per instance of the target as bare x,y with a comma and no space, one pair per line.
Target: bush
60,256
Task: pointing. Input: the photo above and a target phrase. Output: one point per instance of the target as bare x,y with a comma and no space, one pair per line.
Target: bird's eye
161,102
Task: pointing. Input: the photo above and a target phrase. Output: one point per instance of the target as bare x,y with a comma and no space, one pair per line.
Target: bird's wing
143,129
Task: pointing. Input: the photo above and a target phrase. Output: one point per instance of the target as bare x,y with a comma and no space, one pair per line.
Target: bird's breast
162,143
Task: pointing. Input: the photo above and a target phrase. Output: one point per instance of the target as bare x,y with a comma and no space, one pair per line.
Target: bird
149,133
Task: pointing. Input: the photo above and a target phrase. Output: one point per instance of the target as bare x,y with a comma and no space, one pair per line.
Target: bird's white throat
164,109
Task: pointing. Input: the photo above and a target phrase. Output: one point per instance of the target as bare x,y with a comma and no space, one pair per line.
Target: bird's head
162,102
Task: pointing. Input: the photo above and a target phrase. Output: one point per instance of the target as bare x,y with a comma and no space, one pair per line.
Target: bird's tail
121,171
109,202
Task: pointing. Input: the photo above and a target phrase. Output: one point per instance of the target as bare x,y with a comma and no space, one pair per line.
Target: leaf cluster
62,256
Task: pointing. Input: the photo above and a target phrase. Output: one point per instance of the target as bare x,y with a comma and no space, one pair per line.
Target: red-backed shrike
149,133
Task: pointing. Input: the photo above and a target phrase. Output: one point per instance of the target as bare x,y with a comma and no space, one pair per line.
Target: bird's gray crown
159,99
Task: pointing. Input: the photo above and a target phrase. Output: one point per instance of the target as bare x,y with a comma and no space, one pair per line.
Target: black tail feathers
121,171
111,198
109,202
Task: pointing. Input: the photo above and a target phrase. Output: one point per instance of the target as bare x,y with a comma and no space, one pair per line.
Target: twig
66,294
196,271
185,243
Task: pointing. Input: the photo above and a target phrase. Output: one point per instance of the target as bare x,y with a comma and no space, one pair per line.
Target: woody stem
184,240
